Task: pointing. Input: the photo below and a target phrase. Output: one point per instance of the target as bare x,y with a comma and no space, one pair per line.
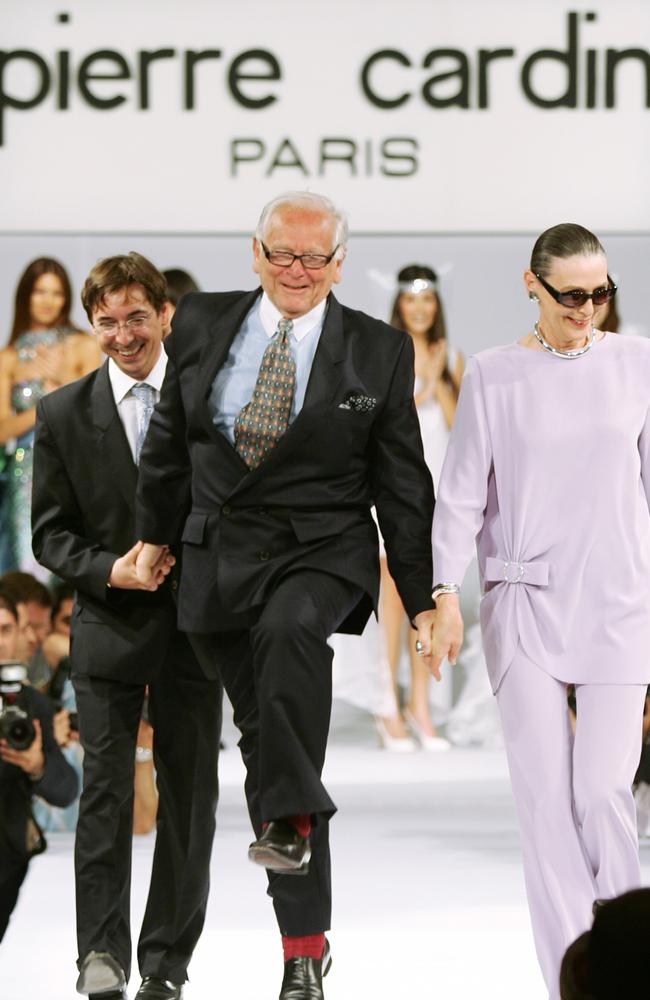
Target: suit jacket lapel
112,442
219,337
324,380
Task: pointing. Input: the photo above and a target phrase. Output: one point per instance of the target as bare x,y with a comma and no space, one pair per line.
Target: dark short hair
179,283
617,947
566,240
112,274
8,604
22,312
23,588
61,592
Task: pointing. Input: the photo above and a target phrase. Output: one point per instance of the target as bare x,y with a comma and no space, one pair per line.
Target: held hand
153,563
447,632
144,567
31,760
424,624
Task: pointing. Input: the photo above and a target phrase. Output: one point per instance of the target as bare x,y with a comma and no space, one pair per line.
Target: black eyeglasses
577,297
312,261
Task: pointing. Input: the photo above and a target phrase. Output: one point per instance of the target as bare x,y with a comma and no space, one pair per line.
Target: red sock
309,946
301,824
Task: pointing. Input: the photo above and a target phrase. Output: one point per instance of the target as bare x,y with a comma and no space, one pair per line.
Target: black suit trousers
278,676
185,710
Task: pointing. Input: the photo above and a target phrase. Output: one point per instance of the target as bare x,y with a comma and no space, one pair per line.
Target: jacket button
262,510
226,510
174,584
263,556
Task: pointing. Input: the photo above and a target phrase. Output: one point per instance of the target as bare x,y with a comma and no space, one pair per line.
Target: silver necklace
564,354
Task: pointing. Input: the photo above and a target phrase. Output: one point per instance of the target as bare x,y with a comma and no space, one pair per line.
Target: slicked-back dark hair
566,240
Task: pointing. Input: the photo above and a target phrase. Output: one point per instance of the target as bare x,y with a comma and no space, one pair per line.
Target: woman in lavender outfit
548,469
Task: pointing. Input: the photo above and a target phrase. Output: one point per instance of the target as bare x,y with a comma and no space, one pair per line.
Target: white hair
306,199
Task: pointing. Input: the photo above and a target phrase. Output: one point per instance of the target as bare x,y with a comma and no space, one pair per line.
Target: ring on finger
419,648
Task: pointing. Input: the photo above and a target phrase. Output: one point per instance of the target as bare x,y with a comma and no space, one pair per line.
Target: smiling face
46,302
129,330
295,290
568,326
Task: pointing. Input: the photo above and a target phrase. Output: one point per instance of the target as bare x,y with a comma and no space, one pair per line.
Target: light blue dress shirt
233,386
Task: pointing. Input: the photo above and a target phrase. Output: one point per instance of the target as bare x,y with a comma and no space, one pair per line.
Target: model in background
548,468
418,310
45,351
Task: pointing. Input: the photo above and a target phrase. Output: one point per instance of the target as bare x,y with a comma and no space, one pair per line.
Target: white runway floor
428,891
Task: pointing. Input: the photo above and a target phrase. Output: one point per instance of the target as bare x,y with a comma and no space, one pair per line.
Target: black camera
16,726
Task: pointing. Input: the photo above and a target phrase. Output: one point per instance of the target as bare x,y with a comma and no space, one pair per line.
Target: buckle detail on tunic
509,571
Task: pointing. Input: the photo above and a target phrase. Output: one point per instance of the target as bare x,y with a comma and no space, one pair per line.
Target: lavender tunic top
548,468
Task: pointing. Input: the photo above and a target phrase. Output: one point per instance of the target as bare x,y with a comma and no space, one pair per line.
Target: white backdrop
464,188
150,163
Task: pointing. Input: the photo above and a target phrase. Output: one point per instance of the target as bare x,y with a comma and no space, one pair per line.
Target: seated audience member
37,768
610,961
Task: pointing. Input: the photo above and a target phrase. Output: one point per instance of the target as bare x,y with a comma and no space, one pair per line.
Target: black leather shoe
303,977
281,849
101,977
153,988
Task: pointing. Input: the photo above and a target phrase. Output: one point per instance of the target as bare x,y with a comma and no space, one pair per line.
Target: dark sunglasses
577,297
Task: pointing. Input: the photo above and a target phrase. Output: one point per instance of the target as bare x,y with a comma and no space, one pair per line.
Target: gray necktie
146,394
262,422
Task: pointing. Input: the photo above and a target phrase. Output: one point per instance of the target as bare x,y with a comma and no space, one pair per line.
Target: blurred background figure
179,283
381,670
43,645
610,961
45,350
31,765
419,311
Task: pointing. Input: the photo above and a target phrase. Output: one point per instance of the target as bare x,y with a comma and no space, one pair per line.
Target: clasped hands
144,567
440,633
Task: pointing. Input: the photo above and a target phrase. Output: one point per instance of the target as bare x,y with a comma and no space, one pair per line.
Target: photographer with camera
31,763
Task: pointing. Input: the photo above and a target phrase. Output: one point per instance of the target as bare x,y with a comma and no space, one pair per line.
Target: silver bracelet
143,755
444,588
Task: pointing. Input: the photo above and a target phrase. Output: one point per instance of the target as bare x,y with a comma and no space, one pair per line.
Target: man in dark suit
283,418
124,638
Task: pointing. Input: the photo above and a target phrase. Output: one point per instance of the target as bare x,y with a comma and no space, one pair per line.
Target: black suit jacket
308,504
83,502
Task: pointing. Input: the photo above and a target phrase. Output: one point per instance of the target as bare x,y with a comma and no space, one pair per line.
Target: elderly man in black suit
124,638
283,418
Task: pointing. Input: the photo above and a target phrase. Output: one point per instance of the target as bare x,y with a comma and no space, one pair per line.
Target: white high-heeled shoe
432,744
394,744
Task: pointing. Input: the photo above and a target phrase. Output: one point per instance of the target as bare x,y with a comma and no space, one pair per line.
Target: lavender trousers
573,797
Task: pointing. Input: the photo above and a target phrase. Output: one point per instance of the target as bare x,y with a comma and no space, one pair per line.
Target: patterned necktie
262,422
146,395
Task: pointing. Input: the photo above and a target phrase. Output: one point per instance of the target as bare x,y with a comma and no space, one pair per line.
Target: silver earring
533,297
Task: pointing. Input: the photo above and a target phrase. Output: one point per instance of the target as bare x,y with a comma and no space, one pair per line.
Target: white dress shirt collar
270,316
121,383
